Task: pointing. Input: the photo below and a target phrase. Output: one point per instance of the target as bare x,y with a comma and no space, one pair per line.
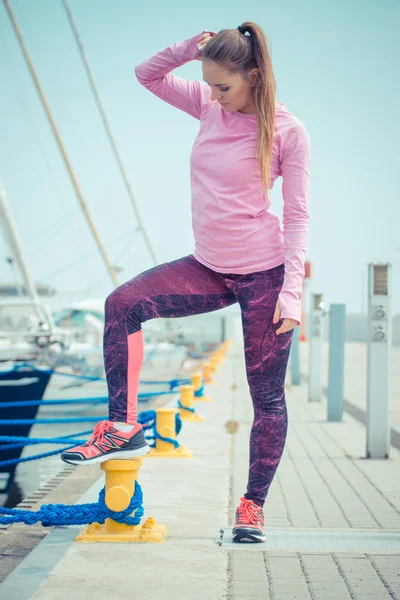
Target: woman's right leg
180,288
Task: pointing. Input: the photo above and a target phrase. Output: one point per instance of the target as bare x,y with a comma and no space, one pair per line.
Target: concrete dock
332,517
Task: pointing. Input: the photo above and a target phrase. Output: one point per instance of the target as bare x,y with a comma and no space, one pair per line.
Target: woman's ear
254,74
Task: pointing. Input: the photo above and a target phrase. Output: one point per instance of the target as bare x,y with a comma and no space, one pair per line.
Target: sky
335,67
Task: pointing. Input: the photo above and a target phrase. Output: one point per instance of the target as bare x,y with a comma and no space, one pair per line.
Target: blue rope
99,400
172,383
147,419
200,392
22,441
78,514
178,423
31,441
47,421
151,394
15,461
192,410
95,400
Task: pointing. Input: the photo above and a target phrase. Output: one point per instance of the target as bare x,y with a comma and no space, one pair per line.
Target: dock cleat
108,442
249,525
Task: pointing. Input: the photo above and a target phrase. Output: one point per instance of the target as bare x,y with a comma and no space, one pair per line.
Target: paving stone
250,575
383,595
257,596
285,555
250,589
288,592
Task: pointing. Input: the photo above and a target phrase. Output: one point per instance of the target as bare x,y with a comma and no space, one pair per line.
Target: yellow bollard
215,359
220,357
119,487
165,425
226,345
187,401
197,382
207,373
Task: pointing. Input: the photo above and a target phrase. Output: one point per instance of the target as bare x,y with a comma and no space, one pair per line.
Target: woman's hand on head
202,43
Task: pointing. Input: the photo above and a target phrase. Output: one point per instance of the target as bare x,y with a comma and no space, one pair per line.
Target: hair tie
241,29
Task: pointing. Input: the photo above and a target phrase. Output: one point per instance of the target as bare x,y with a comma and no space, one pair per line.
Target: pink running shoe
108,442
249,525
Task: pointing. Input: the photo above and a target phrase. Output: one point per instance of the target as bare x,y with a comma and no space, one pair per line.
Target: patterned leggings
185,287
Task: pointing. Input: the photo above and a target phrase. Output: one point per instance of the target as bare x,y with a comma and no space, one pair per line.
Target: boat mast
108,130
110,268
14,241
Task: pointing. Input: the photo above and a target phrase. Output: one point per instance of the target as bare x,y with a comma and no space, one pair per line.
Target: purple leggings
186,287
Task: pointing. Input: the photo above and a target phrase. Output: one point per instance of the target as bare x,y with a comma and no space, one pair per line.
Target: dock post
337,338
378,362
165,426
316,348
197,382
187,410
207,373
121,477
215,360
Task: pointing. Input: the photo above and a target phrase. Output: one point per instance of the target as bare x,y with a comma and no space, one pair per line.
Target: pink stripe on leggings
135,362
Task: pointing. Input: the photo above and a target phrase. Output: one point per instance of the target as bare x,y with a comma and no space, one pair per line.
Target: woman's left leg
266,356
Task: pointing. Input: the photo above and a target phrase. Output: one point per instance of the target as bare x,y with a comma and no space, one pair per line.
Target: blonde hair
240,53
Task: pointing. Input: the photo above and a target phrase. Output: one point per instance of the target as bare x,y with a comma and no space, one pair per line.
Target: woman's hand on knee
287,324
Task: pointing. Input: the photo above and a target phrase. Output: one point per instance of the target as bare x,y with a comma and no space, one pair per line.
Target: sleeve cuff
290,308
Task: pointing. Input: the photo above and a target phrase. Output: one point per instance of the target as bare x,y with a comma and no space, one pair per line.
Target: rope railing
200,392
19,441
90,400
180,405
146,418
148,421
173,383
11,422
50,515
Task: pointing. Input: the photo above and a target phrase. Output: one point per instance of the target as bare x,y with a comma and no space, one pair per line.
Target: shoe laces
98,433
248,512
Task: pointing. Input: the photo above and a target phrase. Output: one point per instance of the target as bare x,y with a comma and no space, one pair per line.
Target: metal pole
378,363
67,163
223,328
316,349
108,131
14,241
295,356
337,335
18,288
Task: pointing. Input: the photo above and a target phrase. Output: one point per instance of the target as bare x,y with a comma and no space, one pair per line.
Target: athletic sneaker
249,525
108,442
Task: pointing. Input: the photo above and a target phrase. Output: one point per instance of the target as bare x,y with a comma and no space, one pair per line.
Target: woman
246,140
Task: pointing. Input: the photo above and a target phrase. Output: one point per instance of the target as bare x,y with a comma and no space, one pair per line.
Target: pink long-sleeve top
234,229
